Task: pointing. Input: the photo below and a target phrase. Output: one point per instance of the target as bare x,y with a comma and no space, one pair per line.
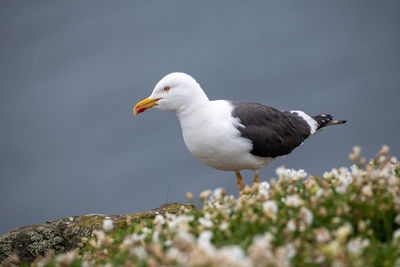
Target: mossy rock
61,235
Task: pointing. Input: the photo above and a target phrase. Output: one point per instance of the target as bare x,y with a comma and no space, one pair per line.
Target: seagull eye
166,89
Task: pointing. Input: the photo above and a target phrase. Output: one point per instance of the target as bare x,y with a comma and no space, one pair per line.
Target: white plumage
227,135
211,135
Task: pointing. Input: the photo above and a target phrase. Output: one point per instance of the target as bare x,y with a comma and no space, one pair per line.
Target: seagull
231,135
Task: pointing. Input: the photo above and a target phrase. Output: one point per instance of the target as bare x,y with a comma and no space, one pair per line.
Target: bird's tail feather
326,120
336,122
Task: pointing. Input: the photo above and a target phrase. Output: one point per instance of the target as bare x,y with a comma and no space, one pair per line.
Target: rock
61,235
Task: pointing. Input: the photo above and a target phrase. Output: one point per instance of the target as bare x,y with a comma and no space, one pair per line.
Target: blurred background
71,72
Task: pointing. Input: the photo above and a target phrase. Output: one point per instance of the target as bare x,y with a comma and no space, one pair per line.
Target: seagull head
175,92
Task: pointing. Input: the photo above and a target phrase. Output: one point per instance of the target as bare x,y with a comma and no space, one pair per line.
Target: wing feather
273,133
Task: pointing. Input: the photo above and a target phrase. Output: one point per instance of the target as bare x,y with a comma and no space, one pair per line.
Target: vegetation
347,217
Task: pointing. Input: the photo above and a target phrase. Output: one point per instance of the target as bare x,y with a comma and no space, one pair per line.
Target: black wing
273,133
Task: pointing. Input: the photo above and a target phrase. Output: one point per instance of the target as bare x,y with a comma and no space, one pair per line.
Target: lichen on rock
61,235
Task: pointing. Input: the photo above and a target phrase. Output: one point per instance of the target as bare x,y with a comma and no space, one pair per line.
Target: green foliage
347,217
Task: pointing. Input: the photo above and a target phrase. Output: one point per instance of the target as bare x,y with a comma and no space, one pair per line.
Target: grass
346,217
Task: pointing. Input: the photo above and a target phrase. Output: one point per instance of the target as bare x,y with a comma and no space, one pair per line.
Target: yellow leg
239,181
256,177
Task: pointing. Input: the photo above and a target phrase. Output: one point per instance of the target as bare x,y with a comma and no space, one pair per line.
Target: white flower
319,192
356,153
205,222
293,201
357,172
139,252
146,230
205,236
367,190
301,174
322,235
181,221
290,251
219,193
66,258
270,209
306,215
263,189
159,219
281,171
108,225
168,243
174,254
232,256
356,246
155,237
397,219
204,242
263,240
396,235
100,235
264,185
332,248
291,225
343,176
185,237
343,232
128,242
205,194
261,247
223,226
138,237
378,173
287,174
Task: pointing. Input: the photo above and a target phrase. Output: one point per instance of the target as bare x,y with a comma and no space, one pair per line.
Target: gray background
71,72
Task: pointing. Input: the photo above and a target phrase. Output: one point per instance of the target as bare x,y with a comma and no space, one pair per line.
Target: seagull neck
194,107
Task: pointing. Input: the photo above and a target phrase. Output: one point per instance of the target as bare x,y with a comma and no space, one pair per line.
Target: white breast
211,135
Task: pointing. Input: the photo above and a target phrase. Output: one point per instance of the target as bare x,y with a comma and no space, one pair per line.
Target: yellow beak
144,104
